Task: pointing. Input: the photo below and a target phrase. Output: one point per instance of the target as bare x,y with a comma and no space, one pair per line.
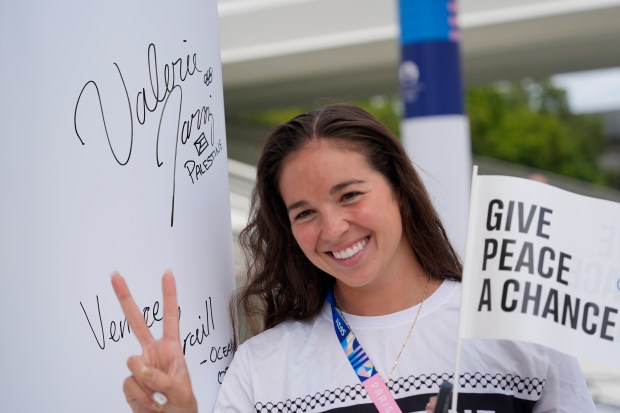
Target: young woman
356,290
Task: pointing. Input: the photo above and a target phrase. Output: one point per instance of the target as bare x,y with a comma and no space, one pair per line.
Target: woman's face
344,216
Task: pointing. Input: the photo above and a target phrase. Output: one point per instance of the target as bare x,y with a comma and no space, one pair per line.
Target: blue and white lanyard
361,364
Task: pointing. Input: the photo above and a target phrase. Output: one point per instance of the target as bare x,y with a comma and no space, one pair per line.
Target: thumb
430,406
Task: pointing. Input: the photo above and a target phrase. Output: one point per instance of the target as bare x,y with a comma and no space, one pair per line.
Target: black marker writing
221,375
105,126
118,331
170,83
197,336
164,84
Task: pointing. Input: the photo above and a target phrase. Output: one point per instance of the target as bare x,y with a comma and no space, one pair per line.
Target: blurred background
541,83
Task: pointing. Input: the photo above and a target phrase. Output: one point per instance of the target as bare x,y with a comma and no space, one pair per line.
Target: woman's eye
349,196
303,214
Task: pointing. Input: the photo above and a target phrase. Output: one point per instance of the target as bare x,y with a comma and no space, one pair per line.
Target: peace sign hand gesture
161,368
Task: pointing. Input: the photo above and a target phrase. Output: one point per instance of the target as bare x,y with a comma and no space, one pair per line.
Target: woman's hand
161,367
430,406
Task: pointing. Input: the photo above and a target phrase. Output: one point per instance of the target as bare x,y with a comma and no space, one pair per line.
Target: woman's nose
333,225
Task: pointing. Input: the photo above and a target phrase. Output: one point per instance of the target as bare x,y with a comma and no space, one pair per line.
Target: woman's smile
351,251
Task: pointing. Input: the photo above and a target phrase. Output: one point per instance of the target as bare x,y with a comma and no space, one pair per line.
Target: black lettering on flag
571,311
489,254
589,329
497,222
535,298
485,296
549,272
562,267
505,253
551,305
542,222
513,305
524,224
608,323
528,248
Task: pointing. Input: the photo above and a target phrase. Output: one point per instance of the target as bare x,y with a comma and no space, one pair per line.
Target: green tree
530,123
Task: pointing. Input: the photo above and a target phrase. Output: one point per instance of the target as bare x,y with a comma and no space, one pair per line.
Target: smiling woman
347,255
333,168
345,218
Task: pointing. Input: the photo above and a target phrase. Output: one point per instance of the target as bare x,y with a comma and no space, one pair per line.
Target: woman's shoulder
290,333
446,299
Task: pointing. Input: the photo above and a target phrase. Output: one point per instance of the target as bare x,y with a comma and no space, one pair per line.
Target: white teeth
351,251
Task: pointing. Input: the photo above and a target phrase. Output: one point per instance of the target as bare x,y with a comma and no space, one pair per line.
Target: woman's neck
388,298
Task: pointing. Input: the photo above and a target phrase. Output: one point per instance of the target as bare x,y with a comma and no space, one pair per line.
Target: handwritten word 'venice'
195,337
175,74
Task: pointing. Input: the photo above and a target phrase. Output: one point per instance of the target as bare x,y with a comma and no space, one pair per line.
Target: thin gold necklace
415,320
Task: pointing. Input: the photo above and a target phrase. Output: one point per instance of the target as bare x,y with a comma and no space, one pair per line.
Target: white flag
543,265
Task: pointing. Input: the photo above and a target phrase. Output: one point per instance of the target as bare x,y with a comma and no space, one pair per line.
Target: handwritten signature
148,100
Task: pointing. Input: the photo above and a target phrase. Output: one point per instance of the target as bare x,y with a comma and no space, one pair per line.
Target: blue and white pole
435,129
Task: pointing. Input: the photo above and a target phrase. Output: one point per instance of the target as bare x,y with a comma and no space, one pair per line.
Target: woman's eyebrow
335,189
298,204
339,187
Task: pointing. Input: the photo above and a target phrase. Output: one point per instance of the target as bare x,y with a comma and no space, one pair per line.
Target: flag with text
543,265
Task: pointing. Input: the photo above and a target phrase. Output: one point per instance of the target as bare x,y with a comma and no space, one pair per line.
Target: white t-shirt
301,367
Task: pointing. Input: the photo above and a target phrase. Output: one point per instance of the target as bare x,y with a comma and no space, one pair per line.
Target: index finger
171,307
134,316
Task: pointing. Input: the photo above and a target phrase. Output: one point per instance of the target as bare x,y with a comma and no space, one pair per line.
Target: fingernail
147,373
160,398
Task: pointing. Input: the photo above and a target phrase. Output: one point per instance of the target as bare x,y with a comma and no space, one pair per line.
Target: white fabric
302,367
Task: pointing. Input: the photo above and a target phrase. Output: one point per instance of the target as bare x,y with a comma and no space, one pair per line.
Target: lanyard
363,367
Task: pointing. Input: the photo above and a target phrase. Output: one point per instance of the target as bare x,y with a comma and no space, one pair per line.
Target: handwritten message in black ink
163,97
195,337
221,375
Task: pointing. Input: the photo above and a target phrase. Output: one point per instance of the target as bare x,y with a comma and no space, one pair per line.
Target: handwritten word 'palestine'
195,170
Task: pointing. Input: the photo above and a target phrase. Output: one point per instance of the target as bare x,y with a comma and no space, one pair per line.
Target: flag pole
469,251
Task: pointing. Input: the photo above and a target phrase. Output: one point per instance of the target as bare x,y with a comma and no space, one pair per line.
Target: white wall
94,181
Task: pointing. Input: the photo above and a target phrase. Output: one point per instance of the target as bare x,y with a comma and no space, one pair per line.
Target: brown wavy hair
282,283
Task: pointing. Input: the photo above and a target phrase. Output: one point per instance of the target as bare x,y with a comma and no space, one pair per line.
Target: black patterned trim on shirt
424,385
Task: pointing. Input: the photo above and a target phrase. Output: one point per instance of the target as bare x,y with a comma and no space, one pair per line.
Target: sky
591,91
